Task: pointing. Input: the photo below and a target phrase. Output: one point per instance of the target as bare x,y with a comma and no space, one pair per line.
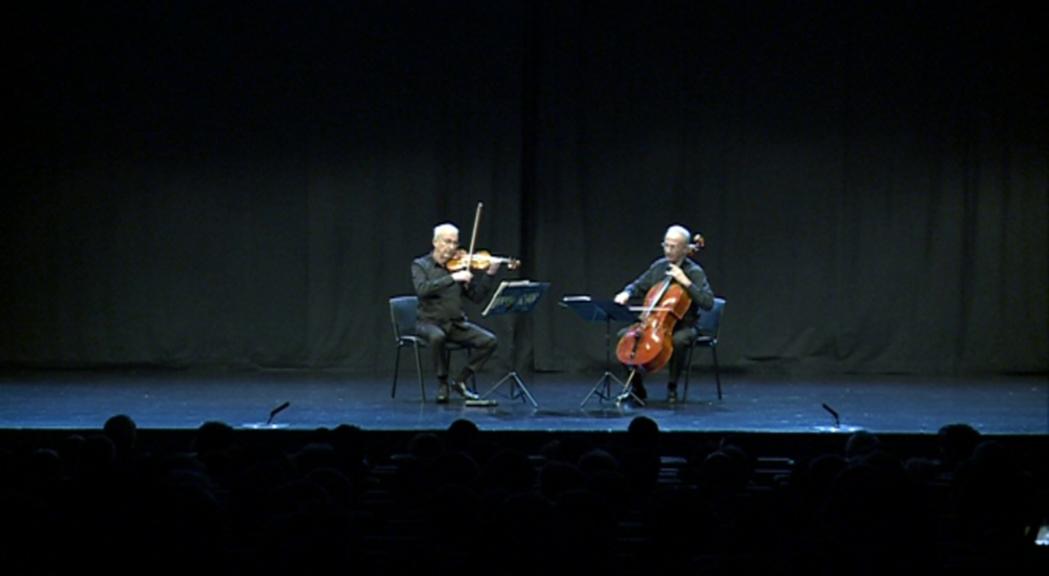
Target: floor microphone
283,406
837,421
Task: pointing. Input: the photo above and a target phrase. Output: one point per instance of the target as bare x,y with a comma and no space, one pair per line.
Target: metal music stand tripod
597,311
518,297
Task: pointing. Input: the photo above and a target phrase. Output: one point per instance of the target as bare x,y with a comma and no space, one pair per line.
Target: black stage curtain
246,183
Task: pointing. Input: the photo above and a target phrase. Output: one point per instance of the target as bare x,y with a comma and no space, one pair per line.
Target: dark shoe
465,392
442,393
671,396
639,390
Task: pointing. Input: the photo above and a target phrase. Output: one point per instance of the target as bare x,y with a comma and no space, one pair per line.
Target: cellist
690,275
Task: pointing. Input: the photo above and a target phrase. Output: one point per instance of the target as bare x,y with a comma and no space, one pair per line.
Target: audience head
643,431
123,431
860,444
462,434
214,437
957,442
426,446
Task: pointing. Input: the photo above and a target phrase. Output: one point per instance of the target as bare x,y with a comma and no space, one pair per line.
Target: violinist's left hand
493,268
679,275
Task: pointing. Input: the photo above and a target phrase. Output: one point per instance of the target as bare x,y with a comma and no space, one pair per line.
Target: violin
480,260
648,344
477,259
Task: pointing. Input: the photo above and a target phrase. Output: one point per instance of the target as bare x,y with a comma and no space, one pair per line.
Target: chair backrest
710,320
403,311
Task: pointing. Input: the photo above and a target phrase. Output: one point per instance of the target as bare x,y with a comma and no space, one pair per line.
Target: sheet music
592,310
500,299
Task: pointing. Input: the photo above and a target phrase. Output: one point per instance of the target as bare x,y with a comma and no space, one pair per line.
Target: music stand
519,297
597,311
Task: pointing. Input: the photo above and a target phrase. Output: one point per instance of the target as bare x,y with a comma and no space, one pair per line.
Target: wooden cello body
648,344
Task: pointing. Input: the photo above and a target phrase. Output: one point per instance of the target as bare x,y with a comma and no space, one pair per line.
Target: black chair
708,326
403,313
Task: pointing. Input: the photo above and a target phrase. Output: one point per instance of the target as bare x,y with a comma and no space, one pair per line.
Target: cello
648,344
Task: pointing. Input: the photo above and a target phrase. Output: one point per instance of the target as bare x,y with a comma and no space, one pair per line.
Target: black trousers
481,342
684,334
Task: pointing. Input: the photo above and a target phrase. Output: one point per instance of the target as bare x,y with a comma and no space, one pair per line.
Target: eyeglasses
669,245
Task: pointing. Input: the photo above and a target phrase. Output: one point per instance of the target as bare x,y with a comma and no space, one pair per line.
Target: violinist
441,318
677,265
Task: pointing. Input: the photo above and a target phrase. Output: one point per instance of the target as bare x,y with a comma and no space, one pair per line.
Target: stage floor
183,399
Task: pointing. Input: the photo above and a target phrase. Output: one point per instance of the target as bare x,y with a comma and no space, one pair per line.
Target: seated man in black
677,265
441,318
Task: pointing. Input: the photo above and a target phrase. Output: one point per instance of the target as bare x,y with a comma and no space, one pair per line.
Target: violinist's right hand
463,275
622,298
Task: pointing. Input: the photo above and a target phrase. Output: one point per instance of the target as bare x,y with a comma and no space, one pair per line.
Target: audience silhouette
465,501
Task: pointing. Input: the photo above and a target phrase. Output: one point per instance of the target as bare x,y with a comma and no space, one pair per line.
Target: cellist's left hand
678,274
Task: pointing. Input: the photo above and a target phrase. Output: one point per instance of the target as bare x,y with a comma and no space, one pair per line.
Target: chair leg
396,368
448,365
717,370
473,377
419,372
688,372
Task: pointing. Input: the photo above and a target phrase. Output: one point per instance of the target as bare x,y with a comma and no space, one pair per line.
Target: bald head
445,229
679,231
675,243
445,242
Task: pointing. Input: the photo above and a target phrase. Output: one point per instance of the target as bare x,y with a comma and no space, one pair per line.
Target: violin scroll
698,243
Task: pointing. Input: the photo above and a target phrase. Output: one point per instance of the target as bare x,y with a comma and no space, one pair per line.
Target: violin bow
473,235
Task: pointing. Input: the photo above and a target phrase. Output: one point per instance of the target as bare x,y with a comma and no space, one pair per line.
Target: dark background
246,183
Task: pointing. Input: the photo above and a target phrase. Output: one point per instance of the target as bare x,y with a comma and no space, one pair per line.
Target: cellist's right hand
463,276
622,298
